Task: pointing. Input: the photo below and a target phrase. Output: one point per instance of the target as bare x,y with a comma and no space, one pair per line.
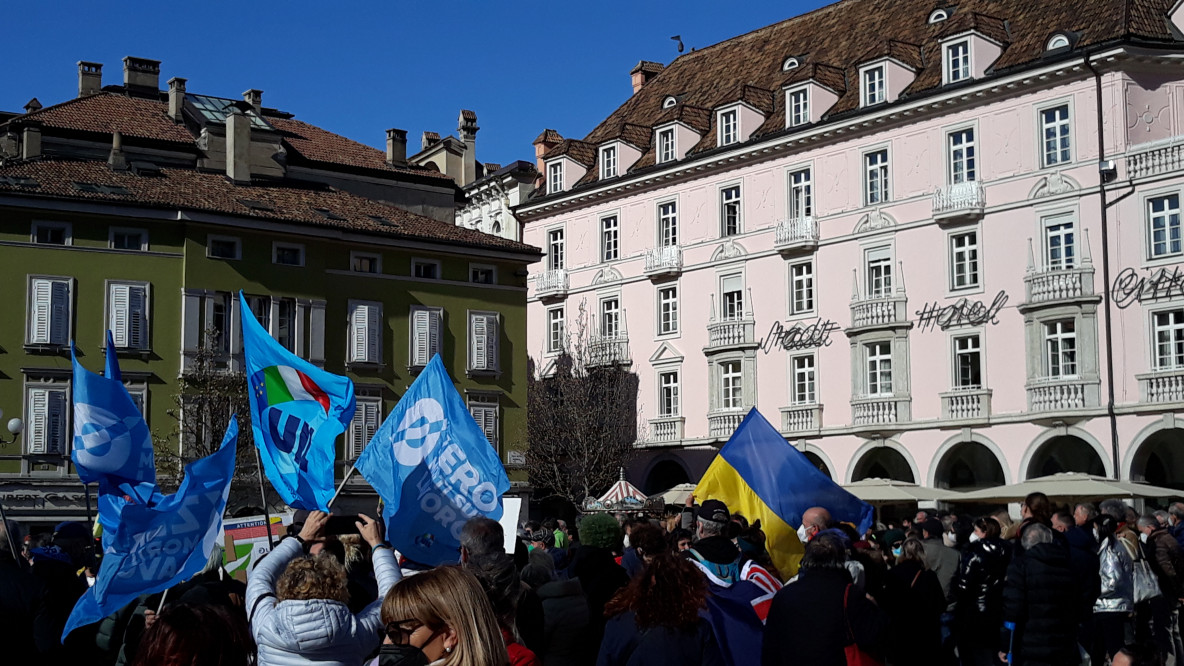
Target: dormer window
554,177
957,61
666,149
670,102
1057,41
799,107
790,63
729,127
608,162
937,16
873,85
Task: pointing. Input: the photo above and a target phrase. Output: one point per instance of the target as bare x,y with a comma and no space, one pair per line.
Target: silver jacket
1117,570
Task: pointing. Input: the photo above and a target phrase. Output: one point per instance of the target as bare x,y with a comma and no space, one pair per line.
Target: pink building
938,245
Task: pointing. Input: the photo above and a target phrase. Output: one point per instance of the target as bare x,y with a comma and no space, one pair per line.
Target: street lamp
15,426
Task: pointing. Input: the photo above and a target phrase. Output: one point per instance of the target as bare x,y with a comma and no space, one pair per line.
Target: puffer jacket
1117,569
1039,597
978,586
313,631
1167,561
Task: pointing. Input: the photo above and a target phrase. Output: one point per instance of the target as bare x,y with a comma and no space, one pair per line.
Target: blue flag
297,412
157,547
434,469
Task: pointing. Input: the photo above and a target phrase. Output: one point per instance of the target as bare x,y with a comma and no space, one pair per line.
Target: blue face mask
897,551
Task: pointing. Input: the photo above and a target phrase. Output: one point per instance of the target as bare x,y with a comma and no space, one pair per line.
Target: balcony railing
1154,158
1055,394
724,423
879,311
966,403
731,332
960,201
875,410
801,418
609,350
1162,386
665,260
666,429
797,234
551,283
1059,285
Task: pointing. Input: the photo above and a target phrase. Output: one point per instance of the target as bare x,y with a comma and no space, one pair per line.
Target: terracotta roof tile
634,135
759,98
827,75
697,118
648,67
106,113
320,145
292,202
990,26
468,115
581,152
548,136
909,54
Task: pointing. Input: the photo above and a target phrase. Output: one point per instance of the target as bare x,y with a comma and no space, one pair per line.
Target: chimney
427,139
643,72
116,159
31,140
238,144
396,146
254,98
176,97
141,75
33,105
544,142
90,77
467,128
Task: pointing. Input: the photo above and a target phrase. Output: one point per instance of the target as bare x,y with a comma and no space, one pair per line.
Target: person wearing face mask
978,592
1167,561
893,546
814,520
1115,604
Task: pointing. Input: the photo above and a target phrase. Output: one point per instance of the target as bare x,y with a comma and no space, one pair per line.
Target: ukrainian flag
760,475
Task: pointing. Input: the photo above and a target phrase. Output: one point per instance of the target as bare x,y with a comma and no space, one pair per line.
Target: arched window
790,63
669,102
1058,41
938,15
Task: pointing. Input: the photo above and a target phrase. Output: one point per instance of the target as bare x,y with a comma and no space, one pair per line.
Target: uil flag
159,546
434,469
112,445
297,411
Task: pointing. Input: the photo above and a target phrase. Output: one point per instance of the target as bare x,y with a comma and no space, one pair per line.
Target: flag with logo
761,475
297,411
434,469
159,546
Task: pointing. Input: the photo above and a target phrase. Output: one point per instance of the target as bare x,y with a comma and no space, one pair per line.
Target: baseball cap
714,510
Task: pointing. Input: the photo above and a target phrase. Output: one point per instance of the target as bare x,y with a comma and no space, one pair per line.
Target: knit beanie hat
600,530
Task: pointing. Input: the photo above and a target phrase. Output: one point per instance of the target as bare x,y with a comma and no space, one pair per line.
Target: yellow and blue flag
761,475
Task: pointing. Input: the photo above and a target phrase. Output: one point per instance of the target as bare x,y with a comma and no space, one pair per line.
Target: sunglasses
400,632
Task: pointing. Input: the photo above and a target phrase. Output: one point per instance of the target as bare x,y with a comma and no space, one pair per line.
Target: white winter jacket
313,631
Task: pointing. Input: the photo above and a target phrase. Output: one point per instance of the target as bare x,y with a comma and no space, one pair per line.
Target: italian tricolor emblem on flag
284,383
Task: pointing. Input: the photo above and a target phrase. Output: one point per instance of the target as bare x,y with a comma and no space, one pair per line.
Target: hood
560,588
313,624
717,549
1049,553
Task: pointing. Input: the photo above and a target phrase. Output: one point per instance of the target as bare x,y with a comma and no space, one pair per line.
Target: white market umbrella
1068,484
676,495
885,491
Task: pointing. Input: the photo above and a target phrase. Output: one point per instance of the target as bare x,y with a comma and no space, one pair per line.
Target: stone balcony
730,333
801,418
666,429
966,403
885,311
663,261
1058,285
799,234
608,350
1060,394
1150,159
963,202
1161,386
879,410
724,422
551,283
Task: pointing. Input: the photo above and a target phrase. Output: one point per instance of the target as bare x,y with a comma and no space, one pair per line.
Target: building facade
146,212
936,245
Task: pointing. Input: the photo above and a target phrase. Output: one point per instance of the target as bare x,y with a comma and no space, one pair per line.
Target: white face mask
1143,537
803,536
626,540
949,539
974,537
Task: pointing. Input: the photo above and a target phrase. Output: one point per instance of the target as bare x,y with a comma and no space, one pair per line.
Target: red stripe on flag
315,391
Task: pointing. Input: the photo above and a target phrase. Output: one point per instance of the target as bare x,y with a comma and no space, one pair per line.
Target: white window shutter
40,306
492,332
38,435
434,317
359,326
421,326
486,417
137,313
117,316
370,420
60,313
373,334
478,343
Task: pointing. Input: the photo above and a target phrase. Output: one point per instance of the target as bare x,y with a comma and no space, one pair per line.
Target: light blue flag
157,547
434,469
297,412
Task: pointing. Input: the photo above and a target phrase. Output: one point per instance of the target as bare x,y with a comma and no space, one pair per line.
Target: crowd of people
1064,585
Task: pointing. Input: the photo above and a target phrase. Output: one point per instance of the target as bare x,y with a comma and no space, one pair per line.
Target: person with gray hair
1167,561
480,537
1084,514
1039,603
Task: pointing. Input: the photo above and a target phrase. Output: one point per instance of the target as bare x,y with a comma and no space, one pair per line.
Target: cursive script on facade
963,312
810,336
1130,287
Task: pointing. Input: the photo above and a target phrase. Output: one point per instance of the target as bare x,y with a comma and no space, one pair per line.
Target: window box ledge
966,404
798,419
1161,386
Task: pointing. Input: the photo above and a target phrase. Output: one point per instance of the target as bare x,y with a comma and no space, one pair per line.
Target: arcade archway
818,463
883,462
664,475
1065,453
1159,459
968,466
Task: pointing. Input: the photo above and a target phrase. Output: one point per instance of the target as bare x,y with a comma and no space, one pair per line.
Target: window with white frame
138,392
799,107
610,317
287,254
51,233
50,305
556,250
729,127
223,247
608,162
964,260
668,223
729,211
46,417
873,85
957,61
666,150
365,262
610,238
485,410
482,274
879,272
801,202
556,330
426,323
732,297
1060,245
804,380
218,322
484,334
285,323
1060,346
731,385
365,332
128,239
1169,340
801,282
968,362
875,172
425,269
1055,135
668,310
127,314
367,418
555,177
668,389
879,368
1163,225
960,156
260,307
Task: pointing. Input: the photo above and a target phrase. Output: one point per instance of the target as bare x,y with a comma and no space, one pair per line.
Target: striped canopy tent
622,496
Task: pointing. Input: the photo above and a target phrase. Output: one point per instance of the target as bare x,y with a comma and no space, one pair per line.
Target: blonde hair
452,597
320,577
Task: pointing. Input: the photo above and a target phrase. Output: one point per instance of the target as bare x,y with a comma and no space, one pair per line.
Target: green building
146,211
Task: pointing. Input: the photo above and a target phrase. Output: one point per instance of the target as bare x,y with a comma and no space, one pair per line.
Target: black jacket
1040,597
806,623
600,577
978,587
914,602
565,628
1083,562
627,645
20,610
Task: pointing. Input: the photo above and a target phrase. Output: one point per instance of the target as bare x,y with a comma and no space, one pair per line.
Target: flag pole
86,491
8,533
263,497
341,485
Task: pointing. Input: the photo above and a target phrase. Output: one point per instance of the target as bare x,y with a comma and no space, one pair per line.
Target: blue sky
358,68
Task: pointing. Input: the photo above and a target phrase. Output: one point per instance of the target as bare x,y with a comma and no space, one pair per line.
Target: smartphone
342,525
